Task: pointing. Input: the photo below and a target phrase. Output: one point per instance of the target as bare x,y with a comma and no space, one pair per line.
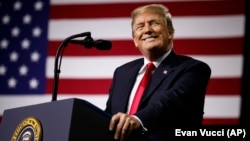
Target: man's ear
171,35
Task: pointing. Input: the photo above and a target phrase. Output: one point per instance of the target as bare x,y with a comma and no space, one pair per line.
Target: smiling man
153,95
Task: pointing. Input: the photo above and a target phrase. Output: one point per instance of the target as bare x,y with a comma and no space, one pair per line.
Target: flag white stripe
226,106
185,27
222,106
104,66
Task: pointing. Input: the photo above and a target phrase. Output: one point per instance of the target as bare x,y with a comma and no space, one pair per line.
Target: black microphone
88,42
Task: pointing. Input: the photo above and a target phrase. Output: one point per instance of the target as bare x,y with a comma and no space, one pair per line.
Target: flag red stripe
228,86
80,86
217,86
216,46
221,121
188,8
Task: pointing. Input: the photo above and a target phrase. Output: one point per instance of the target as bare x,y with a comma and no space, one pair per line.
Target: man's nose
148,29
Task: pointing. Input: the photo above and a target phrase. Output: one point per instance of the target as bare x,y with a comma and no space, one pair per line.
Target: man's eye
154,23
139,27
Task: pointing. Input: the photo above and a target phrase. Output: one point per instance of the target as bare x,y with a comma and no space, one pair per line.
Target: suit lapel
129,76
164,70
159,75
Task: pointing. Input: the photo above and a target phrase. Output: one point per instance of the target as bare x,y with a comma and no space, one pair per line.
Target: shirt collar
156,63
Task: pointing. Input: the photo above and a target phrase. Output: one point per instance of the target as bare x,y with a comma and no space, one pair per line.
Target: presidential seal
29,129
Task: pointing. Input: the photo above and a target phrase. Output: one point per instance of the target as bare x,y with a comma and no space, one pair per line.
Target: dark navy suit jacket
173,99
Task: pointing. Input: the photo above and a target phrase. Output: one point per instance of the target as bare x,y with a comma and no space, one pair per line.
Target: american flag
31,31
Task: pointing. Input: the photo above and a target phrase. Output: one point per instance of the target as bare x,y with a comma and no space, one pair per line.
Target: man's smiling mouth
151,38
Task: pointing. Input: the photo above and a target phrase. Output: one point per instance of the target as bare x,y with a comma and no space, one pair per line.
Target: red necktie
141,88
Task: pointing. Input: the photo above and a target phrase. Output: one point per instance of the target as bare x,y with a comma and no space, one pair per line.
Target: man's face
150,33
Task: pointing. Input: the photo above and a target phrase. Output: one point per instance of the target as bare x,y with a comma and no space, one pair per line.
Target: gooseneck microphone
87,42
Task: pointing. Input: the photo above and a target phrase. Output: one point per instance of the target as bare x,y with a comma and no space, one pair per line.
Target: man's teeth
149,39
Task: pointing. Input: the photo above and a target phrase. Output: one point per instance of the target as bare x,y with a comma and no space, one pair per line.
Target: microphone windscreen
103,44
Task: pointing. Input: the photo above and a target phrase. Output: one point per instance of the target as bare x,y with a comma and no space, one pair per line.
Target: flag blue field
31,31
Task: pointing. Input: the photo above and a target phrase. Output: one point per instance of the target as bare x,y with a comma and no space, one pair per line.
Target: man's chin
151,46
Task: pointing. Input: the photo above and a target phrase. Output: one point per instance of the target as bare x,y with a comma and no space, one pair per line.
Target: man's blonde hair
158,8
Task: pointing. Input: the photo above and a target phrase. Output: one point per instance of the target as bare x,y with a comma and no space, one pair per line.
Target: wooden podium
62,120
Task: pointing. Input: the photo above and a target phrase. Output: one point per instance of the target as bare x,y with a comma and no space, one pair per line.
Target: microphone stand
59,55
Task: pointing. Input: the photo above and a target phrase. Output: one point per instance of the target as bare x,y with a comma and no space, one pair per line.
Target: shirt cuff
144,129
